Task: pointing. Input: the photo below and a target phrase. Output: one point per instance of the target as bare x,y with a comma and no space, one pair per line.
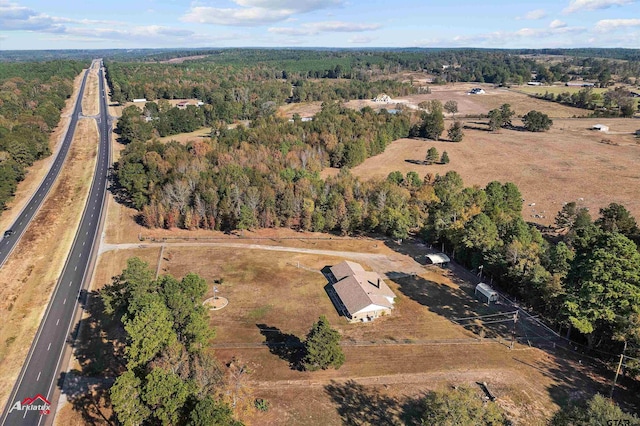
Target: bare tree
177,194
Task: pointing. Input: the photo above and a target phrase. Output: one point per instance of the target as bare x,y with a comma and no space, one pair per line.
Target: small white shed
438,259
486,293
600,128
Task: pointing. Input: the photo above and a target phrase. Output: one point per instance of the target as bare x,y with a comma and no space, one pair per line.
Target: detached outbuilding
438,259
485,293
600,127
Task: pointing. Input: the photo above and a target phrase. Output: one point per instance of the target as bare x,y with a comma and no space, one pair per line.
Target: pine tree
432,155
445,158
322,347
455,132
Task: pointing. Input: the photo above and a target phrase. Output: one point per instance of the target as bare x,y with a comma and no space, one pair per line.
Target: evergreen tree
445,158
455,132
535,121
322,347
432,155
432,121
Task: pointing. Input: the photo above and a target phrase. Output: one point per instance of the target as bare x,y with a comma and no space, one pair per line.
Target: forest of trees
31,98
169,376
268,175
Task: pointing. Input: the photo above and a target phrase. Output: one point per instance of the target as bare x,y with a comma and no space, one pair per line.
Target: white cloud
606,25
14,17
298,5
556,23
534,15
255,12
249,17
577,5
324,27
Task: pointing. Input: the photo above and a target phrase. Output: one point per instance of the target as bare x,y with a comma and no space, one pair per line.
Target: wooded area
31,98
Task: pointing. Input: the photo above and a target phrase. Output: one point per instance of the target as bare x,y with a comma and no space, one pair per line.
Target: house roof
345,269
360,289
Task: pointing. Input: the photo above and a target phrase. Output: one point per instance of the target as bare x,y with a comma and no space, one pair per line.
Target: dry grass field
568,163
91,100
467,104
389,361
30,274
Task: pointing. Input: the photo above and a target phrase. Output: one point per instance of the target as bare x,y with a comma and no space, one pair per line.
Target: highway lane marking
49,347
65,301
38,378
75,269
70,282
58,322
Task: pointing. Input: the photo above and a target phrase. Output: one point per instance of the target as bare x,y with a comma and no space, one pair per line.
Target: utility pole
613,385
513,330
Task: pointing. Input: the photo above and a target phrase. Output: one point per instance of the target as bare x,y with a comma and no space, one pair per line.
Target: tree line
31,98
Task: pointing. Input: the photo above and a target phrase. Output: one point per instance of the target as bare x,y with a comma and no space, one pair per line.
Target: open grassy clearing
30,274
185,138
467,104
39,169
267,289
568,163
541,90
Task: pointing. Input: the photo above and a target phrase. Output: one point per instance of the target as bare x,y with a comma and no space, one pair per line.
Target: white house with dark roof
361,295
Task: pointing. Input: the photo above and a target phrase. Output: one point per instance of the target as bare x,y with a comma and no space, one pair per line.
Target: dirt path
392,265
457,376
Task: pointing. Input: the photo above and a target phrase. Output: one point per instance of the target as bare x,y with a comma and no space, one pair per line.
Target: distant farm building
476,91
534,83
140,100
486,293
438,259
600,128
580,84
382,98
182,105
358,294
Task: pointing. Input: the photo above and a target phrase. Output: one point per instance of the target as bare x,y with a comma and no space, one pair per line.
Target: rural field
567,163
276,292
472,105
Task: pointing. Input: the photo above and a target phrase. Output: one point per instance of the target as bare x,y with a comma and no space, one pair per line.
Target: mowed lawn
265,287
394,355
567,163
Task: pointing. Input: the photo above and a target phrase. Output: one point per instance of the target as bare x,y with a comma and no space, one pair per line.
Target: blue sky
88,24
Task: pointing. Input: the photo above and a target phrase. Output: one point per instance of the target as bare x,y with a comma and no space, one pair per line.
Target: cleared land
30,274
568,163
391,360
472,105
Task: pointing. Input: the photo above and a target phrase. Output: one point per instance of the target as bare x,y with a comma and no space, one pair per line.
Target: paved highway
34,389
9,242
